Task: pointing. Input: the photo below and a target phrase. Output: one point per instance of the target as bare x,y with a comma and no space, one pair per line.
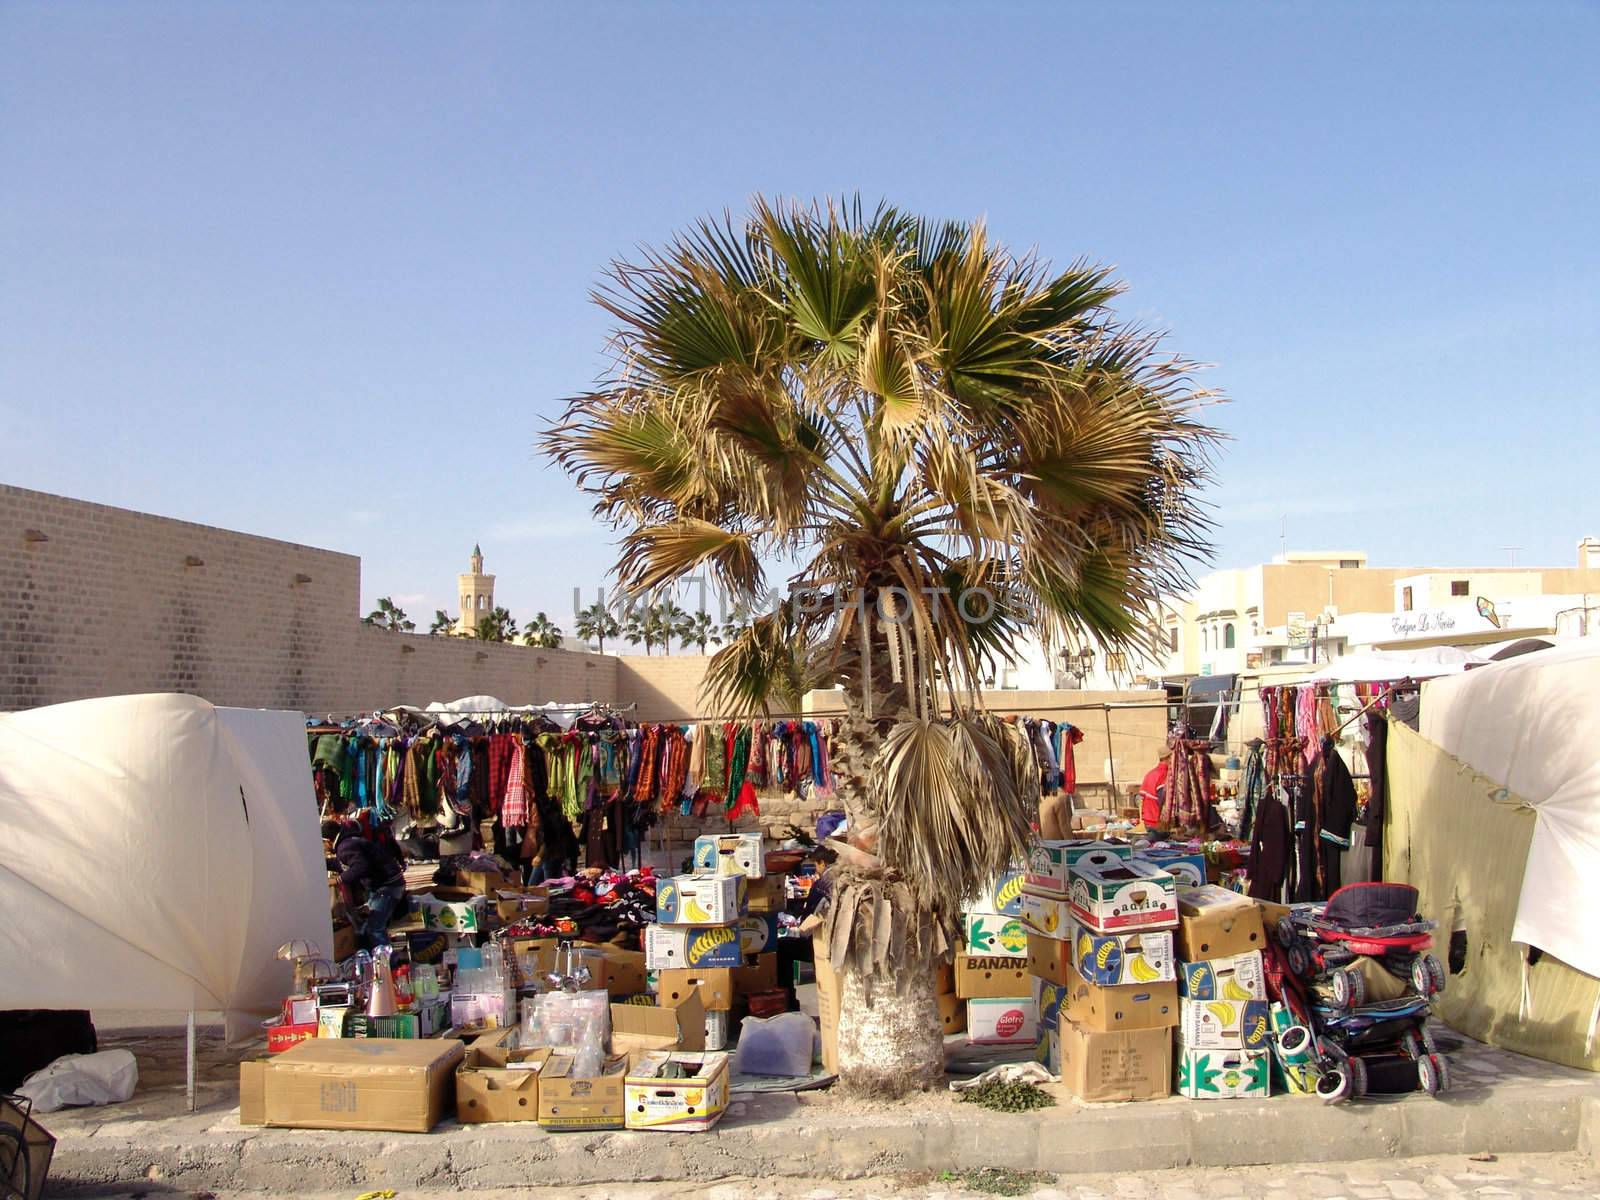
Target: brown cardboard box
996,975
1115,1009
759,974
691,1102
1271,914
485,883
1130,1064
514,906
715,986
569,1103
253,1091
641,1028
828,985
952,1012
39,1147
625,972
766,895
944,979
540,951
1216,923
363,1083
490,1088
1050,958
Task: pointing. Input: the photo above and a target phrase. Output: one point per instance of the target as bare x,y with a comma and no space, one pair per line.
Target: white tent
1379,666
156,853
1532,724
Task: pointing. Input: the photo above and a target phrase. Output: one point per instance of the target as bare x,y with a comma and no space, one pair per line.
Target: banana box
701,899
731,854
1188,868
1224,1074
691,947
1049,915
988,934
952,1013
758,932
1050,863
446,916
1002,1021
1224,1025
1047,998
1240,977
1112,960
1118,895
691,1101
1002,898
1114,1009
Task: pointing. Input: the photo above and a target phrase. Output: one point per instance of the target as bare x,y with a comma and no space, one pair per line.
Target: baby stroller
1362,960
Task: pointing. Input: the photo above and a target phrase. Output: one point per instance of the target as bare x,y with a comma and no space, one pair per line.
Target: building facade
477,594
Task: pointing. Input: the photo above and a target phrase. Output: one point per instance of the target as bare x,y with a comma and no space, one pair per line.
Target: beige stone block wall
666,687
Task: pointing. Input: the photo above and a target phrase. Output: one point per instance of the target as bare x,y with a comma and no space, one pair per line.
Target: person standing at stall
372,867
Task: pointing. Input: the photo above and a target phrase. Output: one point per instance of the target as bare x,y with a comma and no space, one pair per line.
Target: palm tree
388,615
443,624
954,446
733,627
596,622
542,631
498,626
671,621
702,631
638,625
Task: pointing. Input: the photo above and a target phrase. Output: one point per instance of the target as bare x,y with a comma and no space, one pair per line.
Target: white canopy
157,852
1532,723
1377,666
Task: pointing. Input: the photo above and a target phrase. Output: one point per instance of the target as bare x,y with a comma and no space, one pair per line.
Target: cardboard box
1118,895
1002,898
282,1038
1050,958
503,1089
487,883
701,899
715,987
760,975
1121,959
990,934
766,896
451,916
1217,923
1144,1006
252,1091
1189,869
1002,1021
1050,863
518,906
38,1148
372,1083
1224,1074
693,947
1048,915
952,1012
641,1028
758,933
690,1104
625,971
1097,1066
1241,977
1047,998
944,979
566,1102
990,975
730,854
1224,1024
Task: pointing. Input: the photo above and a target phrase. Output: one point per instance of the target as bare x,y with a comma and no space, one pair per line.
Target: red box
281,1037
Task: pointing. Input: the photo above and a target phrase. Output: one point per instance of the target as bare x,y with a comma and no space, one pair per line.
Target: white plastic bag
779,1045
108,1077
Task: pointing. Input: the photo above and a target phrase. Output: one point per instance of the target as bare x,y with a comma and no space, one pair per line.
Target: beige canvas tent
1494,815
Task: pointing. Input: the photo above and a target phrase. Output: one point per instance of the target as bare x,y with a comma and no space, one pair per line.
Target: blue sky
318,271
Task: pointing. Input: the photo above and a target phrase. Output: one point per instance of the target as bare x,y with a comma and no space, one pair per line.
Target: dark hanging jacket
1377,764
1336,814
1271,844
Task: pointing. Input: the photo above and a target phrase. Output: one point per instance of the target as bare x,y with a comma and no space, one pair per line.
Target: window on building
1277,656
1458,587
483,602
1405,599
1205,637
1227,636
1172,639
1346,564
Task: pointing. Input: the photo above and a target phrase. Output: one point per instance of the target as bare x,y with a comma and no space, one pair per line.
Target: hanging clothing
1336,813
1271,847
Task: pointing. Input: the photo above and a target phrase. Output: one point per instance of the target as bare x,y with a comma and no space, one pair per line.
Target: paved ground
1440,1178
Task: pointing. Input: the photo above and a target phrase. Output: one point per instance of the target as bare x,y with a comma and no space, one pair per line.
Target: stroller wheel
1428,1044
1349,989
1358,1078
1435,972
1411,1045
1299,959
1285,931
1441,1066
1333,1086
1428,1075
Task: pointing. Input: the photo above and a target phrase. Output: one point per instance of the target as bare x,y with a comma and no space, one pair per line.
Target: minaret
477,594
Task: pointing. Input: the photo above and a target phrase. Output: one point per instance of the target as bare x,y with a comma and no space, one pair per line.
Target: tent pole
191,1061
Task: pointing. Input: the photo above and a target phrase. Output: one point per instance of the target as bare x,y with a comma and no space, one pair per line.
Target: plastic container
780,1045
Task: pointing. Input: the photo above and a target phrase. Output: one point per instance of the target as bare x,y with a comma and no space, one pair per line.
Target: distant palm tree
671,622
389,615
702,631
498,626
596,622
542,631
637,626
732,627
443,624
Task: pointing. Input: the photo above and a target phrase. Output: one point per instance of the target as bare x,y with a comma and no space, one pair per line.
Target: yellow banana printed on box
1116,960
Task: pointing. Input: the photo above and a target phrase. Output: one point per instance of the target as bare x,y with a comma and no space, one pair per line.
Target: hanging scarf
514,807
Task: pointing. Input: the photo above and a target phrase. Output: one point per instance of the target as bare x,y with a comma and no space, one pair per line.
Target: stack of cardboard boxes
991,999
1100,953
1224,1027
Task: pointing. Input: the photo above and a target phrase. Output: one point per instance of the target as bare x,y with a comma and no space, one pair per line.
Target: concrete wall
100,601
664,686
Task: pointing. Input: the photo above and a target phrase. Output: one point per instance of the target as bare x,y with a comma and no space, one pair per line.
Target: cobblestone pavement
1511,1176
